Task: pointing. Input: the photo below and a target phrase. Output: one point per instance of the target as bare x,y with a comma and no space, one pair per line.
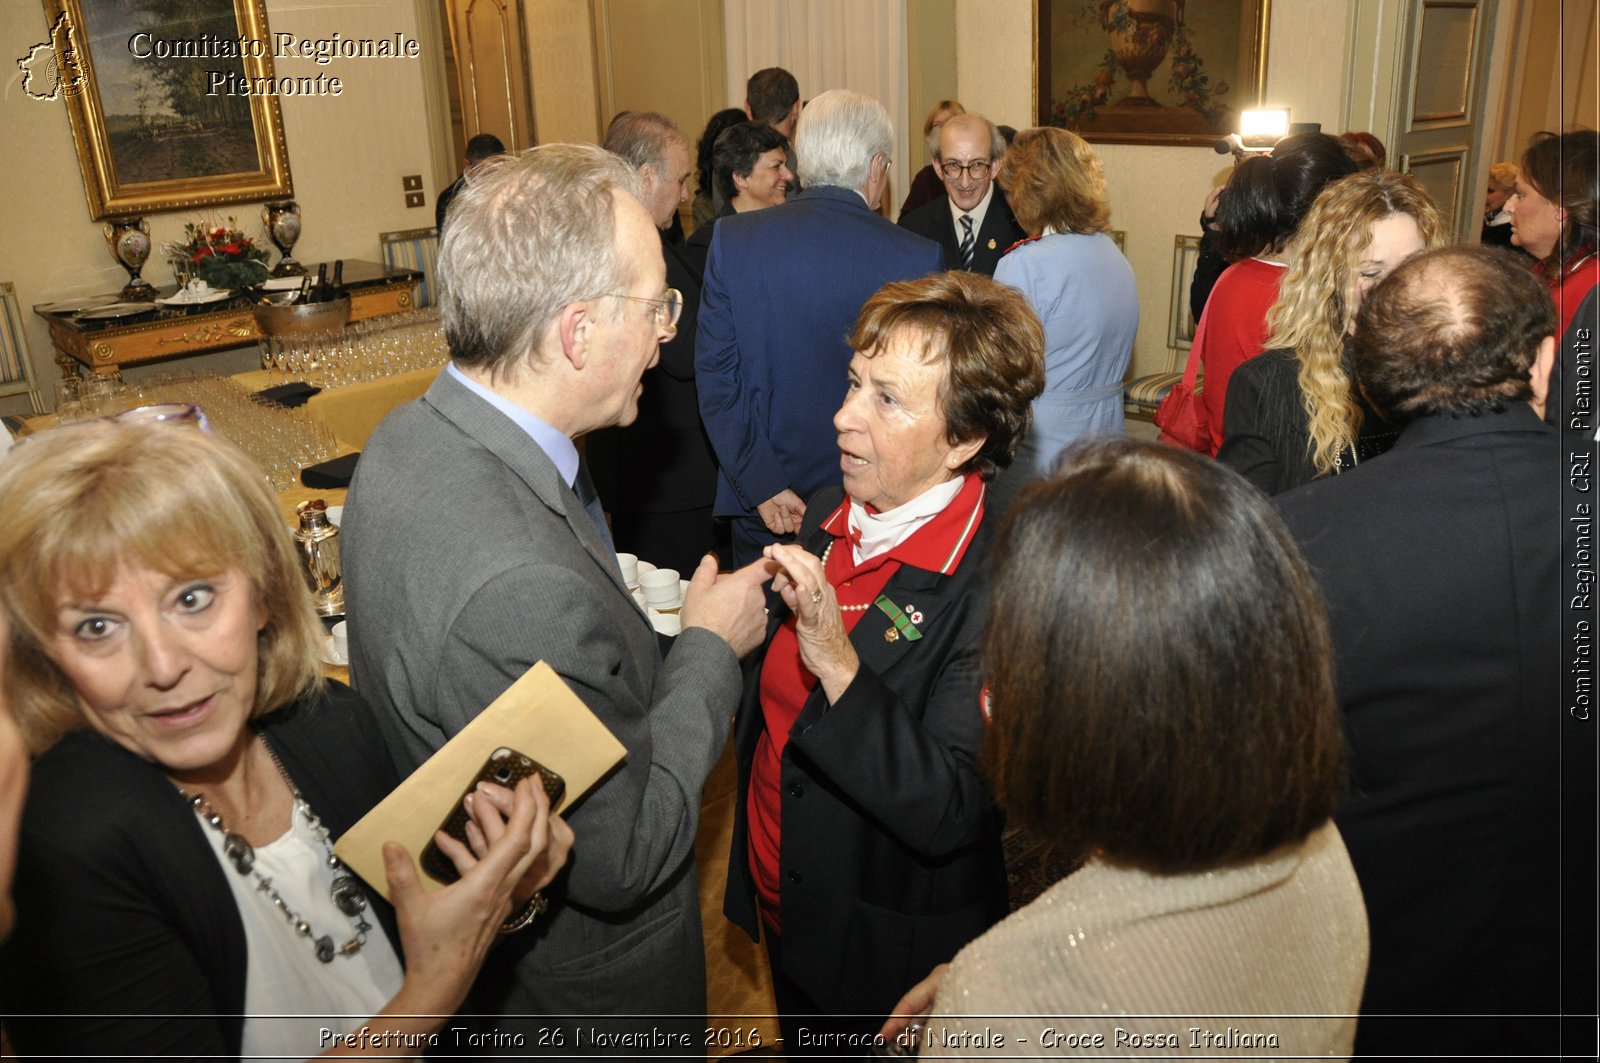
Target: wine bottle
319,290
338,280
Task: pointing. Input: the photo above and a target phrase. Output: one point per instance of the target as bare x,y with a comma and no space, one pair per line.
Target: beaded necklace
842,607
346,893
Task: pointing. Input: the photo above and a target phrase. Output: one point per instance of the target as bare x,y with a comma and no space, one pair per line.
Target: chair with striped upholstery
1141,395
416,249
16,369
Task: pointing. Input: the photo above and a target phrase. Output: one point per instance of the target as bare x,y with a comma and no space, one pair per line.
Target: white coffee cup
666,623
645,567
661,588
341,640
629,563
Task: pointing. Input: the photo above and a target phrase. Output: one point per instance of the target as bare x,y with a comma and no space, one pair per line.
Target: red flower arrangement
220,255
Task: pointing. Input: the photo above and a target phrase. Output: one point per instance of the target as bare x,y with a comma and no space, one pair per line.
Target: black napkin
335,472
289,395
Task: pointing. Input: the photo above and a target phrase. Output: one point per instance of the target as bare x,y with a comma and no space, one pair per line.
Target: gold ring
816,597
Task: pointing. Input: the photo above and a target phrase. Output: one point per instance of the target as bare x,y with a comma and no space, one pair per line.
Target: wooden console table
179,331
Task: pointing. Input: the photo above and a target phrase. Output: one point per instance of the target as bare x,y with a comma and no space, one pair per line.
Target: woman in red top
1259,210
865,845
1553,214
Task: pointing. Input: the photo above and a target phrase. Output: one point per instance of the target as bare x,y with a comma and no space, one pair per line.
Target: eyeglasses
978,168
668,306
167,413
159,413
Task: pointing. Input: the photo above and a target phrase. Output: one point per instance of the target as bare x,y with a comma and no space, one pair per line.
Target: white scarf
871,534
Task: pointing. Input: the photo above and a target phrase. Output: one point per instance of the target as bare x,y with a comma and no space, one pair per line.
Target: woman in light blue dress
1081,287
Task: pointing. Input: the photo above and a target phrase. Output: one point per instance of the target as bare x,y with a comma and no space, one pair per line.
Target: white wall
1156,192
346,155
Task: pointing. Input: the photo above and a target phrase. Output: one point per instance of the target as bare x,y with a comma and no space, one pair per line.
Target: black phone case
505,767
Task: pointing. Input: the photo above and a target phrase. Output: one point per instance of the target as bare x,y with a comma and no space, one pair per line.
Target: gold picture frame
147,141
1181,323
1173,72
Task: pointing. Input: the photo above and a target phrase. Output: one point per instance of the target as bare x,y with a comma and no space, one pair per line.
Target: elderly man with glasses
474,548
972,221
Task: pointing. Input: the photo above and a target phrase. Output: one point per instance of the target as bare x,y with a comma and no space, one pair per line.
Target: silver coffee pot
317,539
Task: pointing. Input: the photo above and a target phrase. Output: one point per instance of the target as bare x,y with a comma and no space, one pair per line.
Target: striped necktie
967,242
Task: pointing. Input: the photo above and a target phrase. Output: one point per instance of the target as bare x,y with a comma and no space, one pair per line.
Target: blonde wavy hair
83,501
1319,296
1052,177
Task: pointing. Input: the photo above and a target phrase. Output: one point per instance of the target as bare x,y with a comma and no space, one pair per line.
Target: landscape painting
150,137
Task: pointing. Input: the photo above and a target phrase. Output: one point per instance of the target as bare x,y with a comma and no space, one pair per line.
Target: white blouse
289,994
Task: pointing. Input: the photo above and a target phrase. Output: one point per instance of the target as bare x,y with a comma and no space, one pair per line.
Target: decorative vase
129,239
1141,31
282,223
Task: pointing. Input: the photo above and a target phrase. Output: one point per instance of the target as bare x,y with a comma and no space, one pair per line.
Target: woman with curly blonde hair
1296,412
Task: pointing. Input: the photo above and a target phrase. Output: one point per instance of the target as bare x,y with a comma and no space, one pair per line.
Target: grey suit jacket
467,560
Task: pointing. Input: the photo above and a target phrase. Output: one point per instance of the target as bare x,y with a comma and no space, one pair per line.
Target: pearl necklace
842,608
346,894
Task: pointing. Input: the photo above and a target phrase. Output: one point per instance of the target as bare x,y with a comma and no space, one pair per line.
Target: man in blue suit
782,289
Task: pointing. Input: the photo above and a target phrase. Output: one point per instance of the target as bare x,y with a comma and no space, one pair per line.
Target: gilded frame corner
110,194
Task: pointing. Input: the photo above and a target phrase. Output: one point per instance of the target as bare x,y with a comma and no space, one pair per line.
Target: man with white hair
782,289
474,548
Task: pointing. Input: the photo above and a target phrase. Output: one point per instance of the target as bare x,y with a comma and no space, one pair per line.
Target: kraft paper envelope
537,715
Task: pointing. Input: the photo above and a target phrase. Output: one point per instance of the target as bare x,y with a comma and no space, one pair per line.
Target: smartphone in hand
505,767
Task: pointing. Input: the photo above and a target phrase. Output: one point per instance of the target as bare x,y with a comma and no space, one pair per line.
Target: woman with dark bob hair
177,891
865,845
1160,688
750,168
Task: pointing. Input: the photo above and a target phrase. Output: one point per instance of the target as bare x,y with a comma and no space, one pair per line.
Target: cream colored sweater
1264,960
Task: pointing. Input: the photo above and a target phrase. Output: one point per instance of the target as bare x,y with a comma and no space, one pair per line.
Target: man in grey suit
474,548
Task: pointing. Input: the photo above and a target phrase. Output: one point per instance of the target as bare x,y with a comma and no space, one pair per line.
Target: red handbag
1181,416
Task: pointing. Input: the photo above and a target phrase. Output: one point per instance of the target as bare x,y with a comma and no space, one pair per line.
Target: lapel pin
904,624
991,243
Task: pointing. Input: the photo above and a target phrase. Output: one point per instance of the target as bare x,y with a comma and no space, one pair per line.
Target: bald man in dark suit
968,155
1441,562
